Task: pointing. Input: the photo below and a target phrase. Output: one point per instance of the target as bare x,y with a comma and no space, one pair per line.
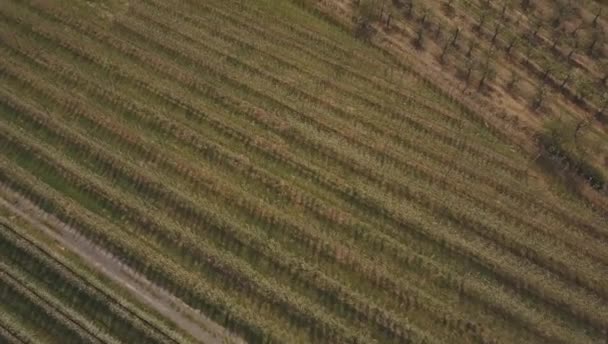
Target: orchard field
258,164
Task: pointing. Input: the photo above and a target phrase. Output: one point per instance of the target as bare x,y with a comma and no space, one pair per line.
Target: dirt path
188,319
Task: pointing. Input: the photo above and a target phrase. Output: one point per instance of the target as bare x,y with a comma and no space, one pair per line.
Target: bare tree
496,31
409,11
548,69
539,97
537,24
565,81
526,4
455,36
597,38
604,105
444,51
528,50
570,54
556,36
604,69
365,14
425,15
584,88
503,12
388,21
597,17
488,72
419,40
448,8
512,44
473,44
563,10
579,126
469,66
513,81
482,19
574,32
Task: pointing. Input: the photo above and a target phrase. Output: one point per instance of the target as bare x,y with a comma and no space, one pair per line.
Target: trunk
481,22
597,16
565,82
592,46
537,103
545,75
494,36
455,37
443,52
482,82
535,33
579,126
419,38
511,44
570,54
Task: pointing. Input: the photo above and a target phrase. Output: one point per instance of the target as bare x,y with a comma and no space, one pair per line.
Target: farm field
270,177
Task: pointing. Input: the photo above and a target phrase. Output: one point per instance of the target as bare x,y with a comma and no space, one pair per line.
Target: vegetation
555,50
290,181
48,299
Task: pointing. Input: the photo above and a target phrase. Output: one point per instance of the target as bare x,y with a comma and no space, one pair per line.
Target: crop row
143,255
353,89
131,210
397,114
80,292
354,138
557,270
416,259
184,241
563,215
251,240
301,40
25,298
47,60
288,34
275,184
12,331
180,167
489,180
